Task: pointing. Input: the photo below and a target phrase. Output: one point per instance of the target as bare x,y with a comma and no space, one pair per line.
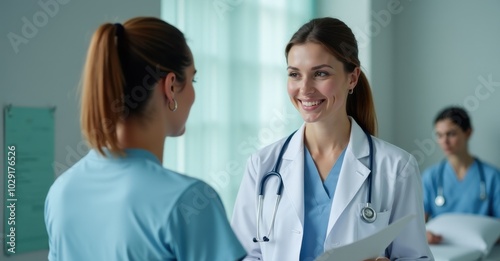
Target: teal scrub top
462,196
131,208
318,197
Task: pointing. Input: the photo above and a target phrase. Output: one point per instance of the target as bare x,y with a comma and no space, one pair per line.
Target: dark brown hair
457,115
124,63
338,39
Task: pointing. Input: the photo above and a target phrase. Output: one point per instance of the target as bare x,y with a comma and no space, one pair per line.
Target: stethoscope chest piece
368,214
439,200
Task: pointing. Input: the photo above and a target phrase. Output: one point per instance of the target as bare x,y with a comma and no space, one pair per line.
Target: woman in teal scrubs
446,182
118,202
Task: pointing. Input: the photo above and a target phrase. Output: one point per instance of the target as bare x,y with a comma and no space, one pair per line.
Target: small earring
351,91
175,105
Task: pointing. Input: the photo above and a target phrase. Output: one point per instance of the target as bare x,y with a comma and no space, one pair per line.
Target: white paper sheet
368,247
468,230
444,252
465,236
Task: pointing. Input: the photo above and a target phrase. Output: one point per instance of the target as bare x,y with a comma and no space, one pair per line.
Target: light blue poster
29,154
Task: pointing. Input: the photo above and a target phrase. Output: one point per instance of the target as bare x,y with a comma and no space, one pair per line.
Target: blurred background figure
460,183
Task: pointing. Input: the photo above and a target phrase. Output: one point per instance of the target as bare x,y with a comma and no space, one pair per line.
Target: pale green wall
442,50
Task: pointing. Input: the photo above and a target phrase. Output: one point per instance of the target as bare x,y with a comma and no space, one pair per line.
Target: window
241,100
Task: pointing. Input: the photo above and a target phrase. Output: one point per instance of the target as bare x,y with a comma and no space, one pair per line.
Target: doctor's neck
327,136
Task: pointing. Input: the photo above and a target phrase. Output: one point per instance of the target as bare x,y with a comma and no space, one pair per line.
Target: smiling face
451,138
318,84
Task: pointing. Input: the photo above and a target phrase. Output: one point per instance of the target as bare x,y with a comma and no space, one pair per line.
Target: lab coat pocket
365,229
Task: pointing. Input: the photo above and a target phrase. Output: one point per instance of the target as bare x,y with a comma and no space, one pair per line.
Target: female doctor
446,182
331,168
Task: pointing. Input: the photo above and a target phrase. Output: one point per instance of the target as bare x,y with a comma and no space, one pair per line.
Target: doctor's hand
433,238
381,258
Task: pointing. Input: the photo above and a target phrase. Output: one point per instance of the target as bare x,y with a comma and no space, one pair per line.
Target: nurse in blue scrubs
118,202
461,183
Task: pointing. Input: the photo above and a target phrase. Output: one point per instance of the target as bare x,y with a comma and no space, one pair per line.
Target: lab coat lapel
352,174
292,173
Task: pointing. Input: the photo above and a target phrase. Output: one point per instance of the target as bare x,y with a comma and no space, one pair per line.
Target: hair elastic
119,30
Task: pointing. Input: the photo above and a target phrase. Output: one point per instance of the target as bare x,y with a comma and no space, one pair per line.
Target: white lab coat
396,193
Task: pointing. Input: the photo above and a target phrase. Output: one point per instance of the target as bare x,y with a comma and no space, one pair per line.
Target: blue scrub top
131,208
318,197
462,196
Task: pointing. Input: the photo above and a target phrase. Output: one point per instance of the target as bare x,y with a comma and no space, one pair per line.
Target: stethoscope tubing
279,191
440,199
368,214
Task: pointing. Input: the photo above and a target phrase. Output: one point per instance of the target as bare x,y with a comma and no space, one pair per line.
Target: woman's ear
167,86
468,133
354,77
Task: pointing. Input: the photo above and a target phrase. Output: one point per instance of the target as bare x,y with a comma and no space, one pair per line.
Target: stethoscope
368,214
440,200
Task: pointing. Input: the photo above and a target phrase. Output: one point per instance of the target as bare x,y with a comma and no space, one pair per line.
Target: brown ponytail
103,81
339,40
360,106
123,65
